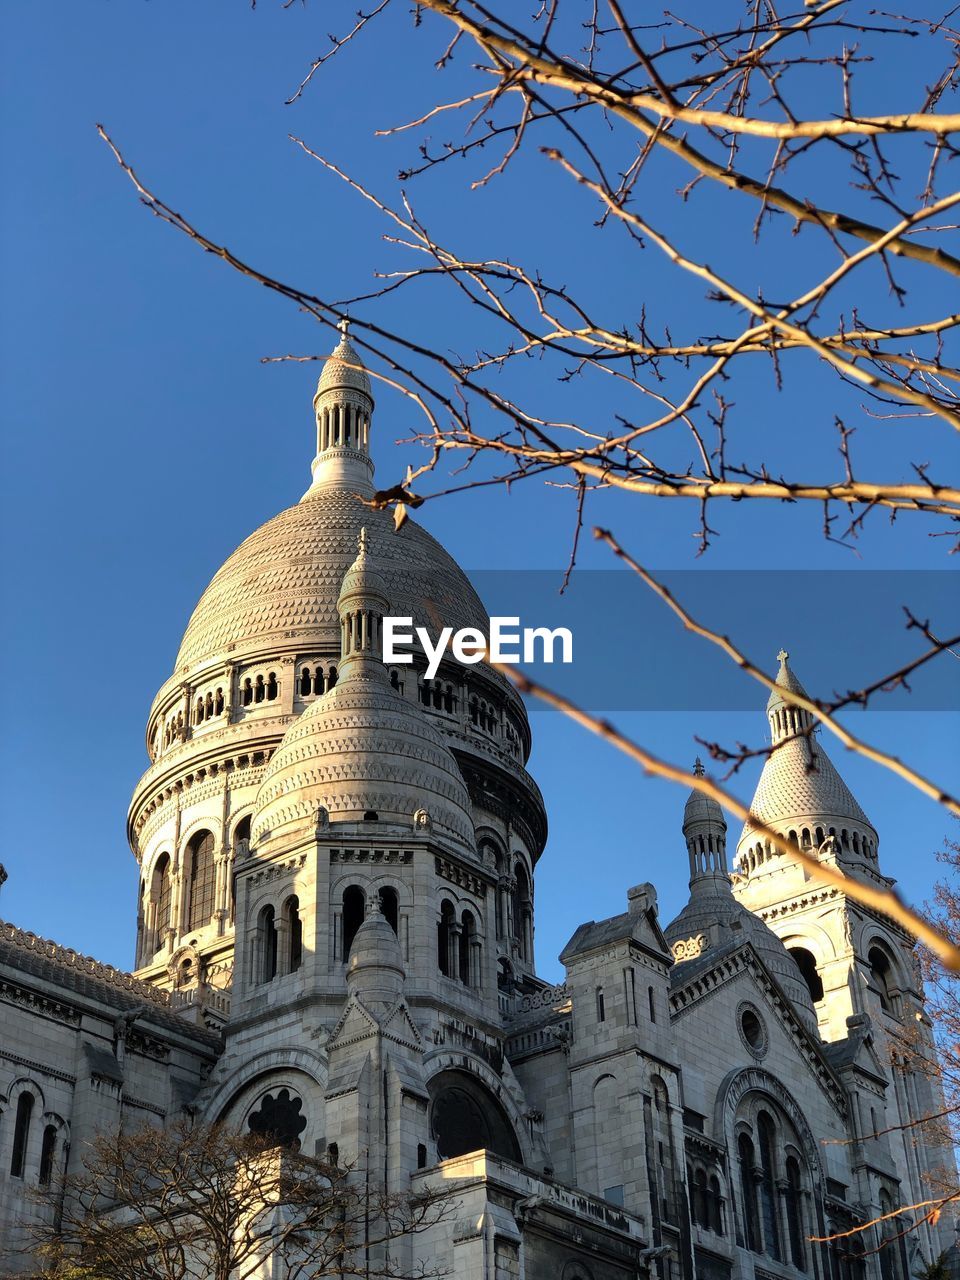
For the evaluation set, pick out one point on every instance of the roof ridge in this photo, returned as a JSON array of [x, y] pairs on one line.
[[87, 964]]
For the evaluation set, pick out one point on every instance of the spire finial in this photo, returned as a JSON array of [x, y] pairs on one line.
[[362, 542], [782, 656], [344, 326], [698, 768]]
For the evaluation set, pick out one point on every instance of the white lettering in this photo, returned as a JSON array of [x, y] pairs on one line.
[[532, 634], [499, 637], [434, 654], [469, 646], [392, 635]]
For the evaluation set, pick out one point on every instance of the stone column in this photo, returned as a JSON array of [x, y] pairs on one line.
[[186, 695], [230, 691], [454, 930]]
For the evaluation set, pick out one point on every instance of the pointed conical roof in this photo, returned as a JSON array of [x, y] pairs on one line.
[[799, 780], [786, 679], [375, 965]]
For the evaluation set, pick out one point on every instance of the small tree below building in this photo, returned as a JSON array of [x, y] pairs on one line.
[[201, 1203]]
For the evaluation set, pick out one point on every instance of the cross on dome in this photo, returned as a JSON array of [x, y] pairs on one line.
[[698, 768], [782, 656], [344, 326], [362, 541]]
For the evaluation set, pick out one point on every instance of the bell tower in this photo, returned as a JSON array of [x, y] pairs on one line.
[[860, 965]]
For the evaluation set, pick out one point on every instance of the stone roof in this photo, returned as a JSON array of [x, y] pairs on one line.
[[81, 975], [339, 370], [786, 679], [362, 747], [600, 933], [283, 581], [799, 780], [716, 922]]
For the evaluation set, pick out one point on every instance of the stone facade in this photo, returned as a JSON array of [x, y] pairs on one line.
[[336, 915]]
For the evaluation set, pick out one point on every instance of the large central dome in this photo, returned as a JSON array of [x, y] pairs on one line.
[[281, 583], [262, 649]]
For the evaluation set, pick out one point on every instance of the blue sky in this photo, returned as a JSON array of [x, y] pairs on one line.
[[144, 439]]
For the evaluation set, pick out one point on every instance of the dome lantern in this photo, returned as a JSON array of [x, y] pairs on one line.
[[786, 718], [362, 604], [344, 408], [705, 831]]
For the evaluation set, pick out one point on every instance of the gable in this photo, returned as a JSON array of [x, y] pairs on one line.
[[733, 976]]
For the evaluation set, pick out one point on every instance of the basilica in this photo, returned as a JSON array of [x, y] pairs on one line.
[[335, 944]]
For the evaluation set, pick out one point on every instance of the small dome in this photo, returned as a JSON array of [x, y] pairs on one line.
[[700, 808], [375, 969], [339, 370], [362, 578], [363, 749], [721, 920]]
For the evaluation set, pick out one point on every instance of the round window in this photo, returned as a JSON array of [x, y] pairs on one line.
[[753, 1032]]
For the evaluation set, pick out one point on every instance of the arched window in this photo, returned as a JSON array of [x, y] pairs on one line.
[[203, 879], [882, 972], [469, 950], [523, 912], [748, 1194], [267, 944], [715, 1206], [305, 683], [444, 935], [699, 1194], [294, 934], [663, 1138], [354, 909], [241, 838], [890, 1242], [218, 703], [258, 689], [390, 907], [794, 1205], [21, 1134], [768, 1187], [162, 895], [807, 965], [273, 688], [48, 1150], [246, 694]]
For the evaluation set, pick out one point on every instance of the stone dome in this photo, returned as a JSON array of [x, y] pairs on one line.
[[359, 750], [375, 969], [281, 584], [702, 809], [723, 921], [339, 371]]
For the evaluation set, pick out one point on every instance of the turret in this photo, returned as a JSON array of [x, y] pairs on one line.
[[705, 831], [344, 408], [362, 604]]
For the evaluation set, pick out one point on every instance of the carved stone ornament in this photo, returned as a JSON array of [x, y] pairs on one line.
[[689, 948], [421, 820]]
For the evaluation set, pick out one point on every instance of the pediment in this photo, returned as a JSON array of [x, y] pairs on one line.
[[742, 966]]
